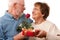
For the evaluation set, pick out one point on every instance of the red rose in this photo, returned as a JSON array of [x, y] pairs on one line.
[[27, 15]]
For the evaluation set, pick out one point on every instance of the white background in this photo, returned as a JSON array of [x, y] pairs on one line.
[[54, 9]]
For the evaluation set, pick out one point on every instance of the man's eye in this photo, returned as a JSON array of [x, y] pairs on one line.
[[36, 9]]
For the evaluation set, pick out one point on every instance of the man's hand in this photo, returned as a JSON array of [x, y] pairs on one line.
[[41, 34], [19, 36]]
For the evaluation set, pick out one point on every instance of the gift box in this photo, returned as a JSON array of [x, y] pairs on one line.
[[30, 33]]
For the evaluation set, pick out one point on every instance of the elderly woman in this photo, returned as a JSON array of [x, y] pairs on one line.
[[48, 30]]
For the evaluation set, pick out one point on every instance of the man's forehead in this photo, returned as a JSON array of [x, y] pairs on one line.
[[16, 1], [21, 2]]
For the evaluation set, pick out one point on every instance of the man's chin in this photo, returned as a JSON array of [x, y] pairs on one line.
[[21, 14]]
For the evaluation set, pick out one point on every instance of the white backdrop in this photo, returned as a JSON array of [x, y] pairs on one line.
[[54, 9]]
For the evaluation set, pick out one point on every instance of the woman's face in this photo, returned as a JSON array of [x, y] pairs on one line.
[[36, 13]]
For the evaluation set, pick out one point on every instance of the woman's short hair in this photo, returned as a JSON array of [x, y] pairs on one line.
[[44, 8]]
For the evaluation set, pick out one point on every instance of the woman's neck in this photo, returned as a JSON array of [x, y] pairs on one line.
[[40, 20]]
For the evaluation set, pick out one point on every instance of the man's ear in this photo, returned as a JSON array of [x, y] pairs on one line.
[[14, 5]]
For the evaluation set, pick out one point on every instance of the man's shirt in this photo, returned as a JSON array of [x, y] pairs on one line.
[[8, 26]]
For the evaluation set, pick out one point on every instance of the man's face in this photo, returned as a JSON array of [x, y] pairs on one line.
[[19, 8], [36, 13]]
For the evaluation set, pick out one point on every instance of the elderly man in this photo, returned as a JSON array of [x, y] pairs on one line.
[[10, 21]]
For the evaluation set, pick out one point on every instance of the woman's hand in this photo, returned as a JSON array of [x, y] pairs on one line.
[[41, 34]]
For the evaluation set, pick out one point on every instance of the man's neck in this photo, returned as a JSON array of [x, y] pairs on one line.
[[13, 14]]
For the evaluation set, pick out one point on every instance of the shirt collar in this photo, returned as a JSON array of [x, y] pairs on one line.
[[11, 16]]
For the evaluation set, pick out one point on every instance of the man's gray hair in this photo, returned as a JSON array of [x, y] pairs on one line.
[[11, 2]]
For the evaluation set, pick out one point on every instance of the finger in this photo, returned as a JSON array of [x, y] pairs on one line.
[[39, 33]]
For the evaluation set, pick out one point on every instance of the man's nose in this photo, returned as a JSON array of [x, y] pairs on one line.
[[24, 8]]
